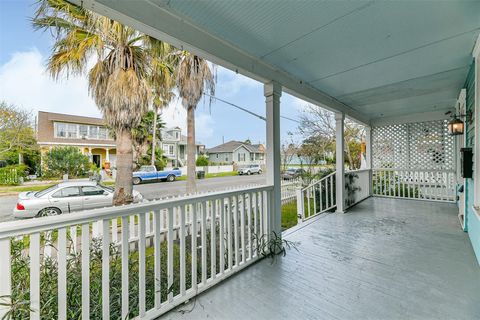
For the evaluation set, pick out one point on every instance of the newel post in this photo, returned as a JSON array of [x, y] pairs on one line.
[[300, 204], [272, 92], [340, 162]]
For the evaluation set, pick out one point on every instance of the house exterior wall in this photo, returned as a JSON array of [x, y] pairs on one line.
[[241, 155], [472, 218], [222, 157]]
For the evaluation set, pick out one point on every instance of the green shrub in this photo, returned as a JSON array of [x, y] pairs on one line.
[[12, 175], [202, 161], [66, 160]]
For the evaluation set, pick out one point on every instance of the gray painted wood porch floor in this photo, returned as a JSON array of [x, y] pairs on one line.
[[384, 259]]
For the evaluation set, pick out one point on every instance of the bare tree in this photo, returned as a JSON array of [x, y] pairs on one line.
[[318, 124], [289, 149]]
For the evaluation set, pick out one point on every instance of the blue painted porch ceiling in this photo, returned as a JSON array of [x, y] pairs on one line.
[[376, 57]]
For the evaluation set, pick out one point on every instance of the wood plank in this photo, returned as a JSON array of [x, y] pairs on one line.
[[125, 256], [142, 230], [85, 271]]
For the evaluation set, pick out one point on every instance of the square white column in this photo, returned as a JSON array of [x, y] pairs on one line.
[[368, 156], [272, 92], [340, 162]]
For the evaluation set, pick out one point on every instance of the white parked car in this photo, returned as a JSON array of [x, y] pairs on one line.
[[250, 169], [65, 197]]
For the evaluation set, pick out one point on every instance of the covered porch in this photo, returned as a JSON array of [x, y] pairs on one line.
[[394, 67], [384, 259]]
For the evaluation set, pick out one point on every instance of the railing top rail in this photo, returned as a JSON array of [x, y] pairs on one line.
[[357, 170], [318, 181], [18, 228], [410, 169]]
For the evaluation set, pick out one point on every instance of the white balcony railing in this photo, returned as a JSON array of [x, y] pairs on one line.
[[168, 251], [357, 186], [316, 198], [432, 185]]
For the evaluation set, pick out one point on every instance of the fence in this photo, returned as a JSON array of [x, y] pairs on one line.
[[316, 198], [9, 175], [289, 189], [432, 185], [197, 241]]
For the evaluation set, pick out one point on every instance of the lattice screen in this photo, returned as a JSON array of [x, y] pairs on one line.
[[421, 145]]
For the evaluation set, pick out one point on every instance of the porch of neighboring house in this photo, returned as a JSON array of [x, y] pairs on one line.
[[384, 259]]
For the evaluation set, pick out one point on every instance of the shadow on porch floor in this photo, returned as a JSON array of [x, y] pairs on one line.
[[384, 259]]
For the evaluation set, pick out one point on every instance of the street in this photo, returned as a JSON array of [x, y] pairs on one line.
[[158, 190]]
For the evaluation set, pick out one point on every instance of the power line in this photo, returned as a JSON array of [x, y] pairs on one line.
[[246, 110]]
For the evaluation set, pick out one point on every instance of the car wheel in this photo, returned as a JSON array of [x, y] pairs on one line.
[[259, 171], [249, 173], [136, 180], [171, 178], [49, 212]]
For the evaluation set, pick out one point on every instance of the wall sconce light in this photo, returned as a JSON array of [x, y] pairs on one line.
[[456, 126]]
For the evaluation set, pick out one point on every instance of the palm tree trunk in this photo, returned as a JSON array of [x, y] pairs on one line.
[[123, 180], [154, 138], [191, 184]]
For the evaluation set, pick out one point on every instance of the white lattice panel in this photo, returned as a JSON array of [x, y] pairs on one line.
[[421, 145]]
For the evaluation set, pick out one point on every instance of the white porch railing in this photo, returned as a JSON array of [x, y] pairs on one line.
[[319, 196], [185, 245], [316, 198], [432, 185], [289, 189]]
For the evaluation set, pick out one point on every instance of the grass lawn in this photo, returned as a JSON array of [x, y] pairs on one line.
[[289, 215]]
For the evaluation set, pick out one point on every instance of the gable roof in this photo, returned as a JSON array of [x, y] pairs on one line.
[[233, 145]]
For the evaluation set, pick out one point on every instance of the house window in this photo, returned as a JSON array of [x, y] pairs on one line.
[[252, 156], [102, 133], [60, 130], [83, 131], [216, 155], [226, 158], [170, 149], [93, 132], [177, 135], [71, 131]]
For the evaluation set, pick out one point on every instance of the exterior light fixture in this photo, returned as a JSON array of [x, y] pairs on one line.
[[456, 126]]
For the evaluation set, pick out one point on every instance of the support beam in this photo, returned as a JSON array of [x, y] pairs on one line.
[[272, 92], [107, 154], [340, 162]]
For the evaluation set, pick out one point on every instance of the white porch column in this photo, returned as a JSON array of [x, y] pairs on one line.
[[368, 155], [272, 92], [90, 154], [107, 155], [340, 162]]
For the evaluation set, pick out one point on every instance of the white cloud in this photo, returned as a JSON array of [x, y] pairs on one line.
[[204, 125], [231, 83], [25, 83]]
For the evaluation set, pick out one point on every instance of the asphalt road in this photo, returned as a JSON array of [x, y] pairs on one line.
[[158, 190]]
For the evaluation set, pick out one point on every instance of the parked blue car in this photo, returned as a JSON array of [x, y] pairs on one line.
[[150, 173]]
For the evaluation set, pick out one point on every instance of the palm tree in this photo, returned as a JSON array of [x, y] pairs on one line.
[[117, 81], [161, 80], [193, 76]]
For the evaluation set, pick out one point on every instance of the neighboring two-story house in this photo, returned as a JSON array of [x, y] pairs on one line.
[[237, 152], [174, 146], [89, 134]]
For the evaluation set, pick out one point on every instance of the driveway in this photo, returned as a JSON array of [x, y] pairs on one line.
[[158, 190]]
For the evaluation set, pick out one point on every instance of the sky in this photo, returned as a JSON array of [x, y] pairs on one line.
[[25, 83]]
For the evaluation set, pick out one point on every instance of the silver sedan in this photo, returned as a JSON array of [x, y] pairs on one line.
[[64, 198]]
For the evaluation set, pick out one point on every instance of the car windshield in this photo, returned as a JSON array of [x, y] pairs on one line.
[[147, 168], [43, 192], [291, 170]]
